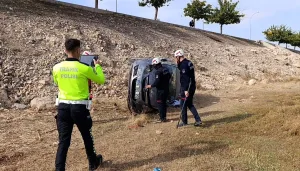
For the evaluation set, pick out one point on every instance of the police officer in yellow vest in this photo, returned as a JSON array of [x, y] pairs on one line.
[[72, 77]]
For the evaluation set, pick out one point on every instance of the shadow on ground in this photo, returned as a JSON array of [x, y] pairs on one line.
[[205, 100], [226, 120], [210, 113], [110, 120], [179, 152]]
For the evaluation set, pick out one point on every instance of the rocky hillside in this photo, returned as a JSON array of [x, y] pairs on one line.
[[33, 34]]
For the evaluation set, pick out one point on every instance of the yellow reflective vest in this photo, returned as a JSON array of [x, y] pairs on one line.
[[71, 76]]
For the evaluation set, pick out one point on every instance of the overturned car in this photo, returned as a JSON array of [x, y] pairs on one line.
[[141, 74]]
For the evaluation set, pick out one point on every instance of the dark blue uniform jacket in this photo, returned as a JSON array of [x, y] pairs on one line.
[[187, 75]]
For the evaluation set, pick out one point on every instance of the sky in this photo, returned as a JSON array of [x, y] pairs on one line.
[[260, 13]]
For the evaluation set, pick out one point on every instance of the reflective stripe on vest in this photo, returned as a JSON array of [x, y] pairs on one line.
[[83, 102]]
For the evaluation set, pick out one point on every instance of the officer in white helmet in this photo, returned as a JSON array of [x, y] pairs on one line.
[[161, 83], [188, 87]]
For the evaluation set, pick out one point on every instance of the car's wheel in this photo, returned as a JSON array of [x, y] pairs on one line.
[[132, 107]]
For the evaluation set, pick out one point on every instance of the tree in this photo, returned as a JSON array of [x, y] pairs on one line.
[[286, 34], [198, 10], [155, 3], [225, 14], [294, 40], [280, 34], [96, 4], [272, 34]]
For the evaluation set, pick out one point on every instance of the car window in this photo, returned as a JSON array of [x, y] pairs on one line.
[[147, 70]]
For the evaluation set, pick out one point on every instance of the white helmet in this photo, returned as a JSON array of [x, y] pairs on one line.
[[156, 61], [179, 53], [87, 53]]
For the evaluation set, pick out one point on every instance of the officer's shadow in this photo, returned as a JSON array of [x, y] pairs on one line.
[[180, 152], [205, 100]]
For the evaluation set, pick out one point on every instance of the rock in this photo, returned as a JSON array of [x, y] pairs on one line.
[[254, 51], [112, 92], [4, 100], [265, 81], [202, 68], [132, 47], [296, 64], [237, 88], [158, 132], [208, 87], [19, 106], [43, 82], [43, 103], [47, 72], [229, 79], [251, 82], [3, 95]]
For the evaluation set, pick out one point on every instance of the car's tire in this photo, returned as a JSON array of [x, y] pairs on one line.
[[133, 108]]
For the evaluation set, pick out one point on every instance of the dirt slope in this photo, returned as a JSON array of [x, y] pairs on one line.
[[33, 32]]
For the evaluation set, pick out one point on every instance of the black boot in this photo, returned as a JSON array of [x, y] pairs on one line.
[[94, 165]]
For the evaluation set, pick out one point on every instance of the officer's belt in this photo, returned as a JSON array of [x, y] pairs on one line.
[[83, 102]]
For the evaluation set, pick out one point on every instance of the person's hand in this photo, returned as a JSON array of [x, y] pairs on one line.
[[148, 86], [186, 94], [97, 62]]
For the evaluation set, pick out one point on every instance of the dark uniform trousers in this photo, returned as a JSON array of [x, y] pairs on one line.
[[162, 103], [189, 104], [162, 78], [68, 115]]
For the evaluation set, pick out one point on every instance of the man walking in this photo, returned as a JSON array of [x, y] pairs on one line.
[[72, 78], [162, 81], [188, 87]]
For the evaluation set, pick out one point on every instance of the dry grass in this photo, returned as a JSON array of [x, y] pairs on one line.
[[258, 133], [140, 120]]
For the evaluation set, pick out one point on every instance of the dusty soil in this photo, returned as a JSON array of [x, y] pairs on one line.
[[245, 128], [33, 32]]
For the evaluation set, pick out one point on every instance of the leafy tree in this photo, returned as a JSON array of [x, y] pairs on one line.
[[272, 34], [198, 10], [226, 14], [280, 34], [294, 40], [155, 3]]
